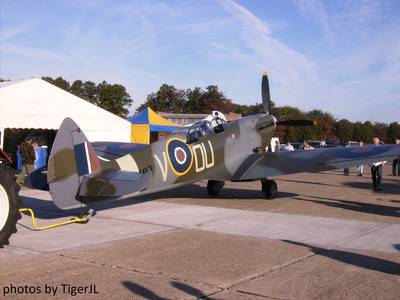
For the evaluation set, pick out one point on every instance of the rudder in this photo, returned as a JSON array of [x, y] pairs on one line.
[[72, 157]]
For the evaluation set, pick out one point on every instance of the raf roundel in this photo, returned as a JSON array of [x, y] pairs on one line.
[[179, 156]]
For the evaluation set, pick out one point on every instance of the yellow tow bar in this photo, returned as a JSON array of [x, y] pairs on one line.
[[39, 228]]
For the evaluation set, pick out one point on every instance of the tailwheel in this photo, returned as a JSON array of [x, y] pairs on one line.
[[269, 188], [214, 187]]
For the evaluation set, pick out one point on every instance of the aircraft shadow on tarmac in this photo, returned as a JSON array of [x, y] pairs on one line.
[[369, 208], [355, 259], [387, 187], [45, 209], [194, 191], [309, 182], [148, 294]]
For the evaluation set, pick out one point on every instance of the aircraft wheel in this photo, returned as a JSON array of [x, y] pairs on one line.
[[214, 187], [9, 207], [269, 188]]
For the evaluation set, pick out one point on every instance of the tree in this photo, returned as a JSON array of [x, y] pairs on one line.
[[173, 100], [166, 99], [292, 133], [344, 131], [358, 132], [380, 131], [114, 98], [59, 82], [77, 88], [89, 92], [214, 99], [246, 110], [195, 101], [368, 132], [325, 128], [253, 109], [393, 132]]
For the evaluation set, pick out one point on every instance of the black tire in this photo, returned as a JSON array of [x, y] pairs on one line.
[[269, 188], [9, 207], [214, 187]]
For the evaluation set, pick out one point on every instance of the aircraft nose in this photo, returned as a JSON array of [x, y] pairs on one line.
[[265, 121]]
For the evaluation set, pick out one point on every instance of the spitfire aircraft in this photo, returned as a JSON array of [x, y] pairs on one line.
[[81, 173]]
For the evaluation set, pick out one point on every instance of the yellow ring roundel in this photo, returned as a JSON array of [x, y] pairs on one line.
[[180, 156]]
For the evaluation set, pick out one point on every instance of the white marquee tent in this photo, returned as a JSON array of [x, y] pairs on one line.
[[37, 104]]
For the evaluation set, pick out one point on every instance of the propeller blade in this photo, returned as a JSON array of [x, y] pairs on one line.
[[297, 123], [266, 97]]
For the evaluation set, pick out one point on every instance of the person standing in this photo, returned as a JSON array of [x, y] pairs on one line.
[[346, 171], [396, 162], [288, 147], [277, 147], [28, 158], [360, 169], [376, 169], [307, 146]]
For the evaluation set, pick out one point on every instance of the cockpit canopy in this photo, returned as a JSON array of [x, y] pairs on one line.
[[201, 128]]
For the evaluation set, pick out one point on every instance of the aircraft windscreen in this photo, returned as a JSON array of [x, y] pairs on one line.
[[182, 130], [203, 127], [206, 127]]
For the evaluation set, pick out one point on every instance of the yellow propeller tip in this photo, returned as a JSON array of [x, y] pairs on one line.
[[265, 74]]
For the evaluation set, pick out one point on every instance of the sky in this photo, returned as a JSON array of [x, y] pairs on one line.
[[339, 56]]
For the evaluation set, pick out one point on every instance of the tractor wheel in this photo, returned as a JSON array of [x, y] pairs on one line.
[[9, 207]]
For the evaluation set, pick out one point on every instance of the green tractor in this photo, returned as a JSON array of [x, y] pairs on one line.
[[9, 202]]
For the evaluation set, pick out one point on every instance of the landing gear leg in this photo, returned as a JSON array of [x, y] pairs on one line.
[[269, 188], [214, 187]]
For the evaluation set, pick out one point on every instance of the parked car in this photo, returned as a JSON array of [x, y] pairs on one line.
[[332, 143], [296, 146]]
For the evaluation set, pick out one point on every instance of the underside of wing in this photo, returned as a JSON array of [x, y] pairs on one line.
[[259, 166], [112, 184]]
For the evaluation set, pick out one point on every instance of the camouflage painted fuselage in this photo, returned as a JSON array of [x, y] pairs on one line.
[[171, 162], [78, 176]]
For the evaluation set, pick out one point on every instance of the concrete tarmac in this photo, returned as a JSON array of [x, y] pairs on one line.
[[326, 236]]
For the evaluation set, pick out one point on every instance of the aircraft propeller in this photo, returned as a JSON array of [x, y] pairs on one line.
[[265, 95], [266, 103]]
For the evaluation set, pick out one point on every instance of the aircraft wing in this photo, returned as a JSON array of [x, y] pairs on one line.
[[259, 166]]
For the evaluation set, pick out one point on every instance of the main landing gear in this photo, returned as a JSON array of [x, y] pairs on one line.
[[214, 187], [269, 188]]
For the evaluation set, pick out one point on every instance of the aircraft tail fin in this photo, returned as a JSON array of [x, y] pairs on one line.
[[72, 158]]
